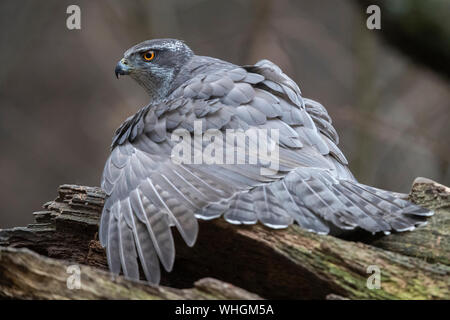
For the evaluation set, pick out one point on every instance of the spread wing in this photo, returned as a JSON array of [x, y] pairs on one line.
[[148, 192]]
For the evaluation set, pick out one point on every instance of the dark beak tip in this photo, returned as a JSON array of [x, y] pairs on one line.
[[121, 69], [118, 71]]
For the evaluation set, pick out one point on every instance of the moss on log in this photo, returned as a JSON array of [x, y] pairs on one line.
[[431, 242]]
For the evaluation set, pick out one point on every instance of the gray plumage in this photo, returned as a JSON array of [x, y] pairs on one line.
[[148, 193]]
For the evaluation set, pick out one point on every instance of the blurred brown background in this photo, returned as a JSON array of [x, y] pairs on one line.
[[60, 102]]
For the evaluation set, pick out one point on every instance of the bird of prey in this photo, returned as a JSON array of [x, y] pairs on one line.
[[148, 192]]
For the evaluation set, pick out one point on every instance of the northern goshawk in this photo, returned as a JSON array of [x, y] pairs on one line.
[[148, 192]]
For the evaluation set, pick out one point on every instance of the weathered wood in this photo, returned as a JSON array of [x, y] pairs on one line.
[[431, 242], [290, 263], [27, 275]]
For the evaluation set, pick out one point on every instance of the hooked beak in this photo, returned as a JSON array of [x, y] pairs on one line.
[[122, 68]]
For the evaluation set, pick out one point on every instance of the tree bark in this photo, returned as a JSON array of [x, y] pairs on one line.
[[28, 275], [289, 263]]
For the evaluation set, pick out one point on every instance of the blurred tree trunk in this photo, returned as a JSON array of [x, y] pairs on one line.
[[421, 29]]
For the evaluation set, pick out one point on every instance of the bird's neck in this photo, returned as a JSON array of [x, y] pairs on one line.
[[156, 86]]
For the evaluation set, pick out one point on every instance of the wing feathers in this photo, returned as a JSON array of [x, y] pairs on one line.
[[269, 211], [127, 249], [112, 248], [182, 217], [157, 224], [147, 193], [241, 210]]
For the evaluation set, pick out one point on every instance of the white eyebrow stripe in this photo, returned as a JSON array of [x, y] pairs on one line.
[[172, 46]]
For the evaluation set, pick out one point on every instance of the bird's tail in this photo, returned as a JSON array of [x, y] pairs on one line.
[[321, 203]]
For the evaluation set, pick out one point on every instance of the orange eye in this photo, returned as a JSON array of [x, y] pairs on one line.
[[149, 55]]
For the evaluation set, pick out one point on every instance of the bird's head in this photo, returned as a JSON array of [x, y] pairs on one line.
[[154, 64]]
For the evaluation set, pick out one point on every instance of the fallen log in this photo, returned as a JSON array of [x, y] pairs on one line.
[[290, 263], [431, 242], [38, 277]]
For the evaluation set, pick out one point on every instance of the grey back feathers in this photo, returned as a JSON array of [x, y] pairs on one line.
[[148, 193]]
